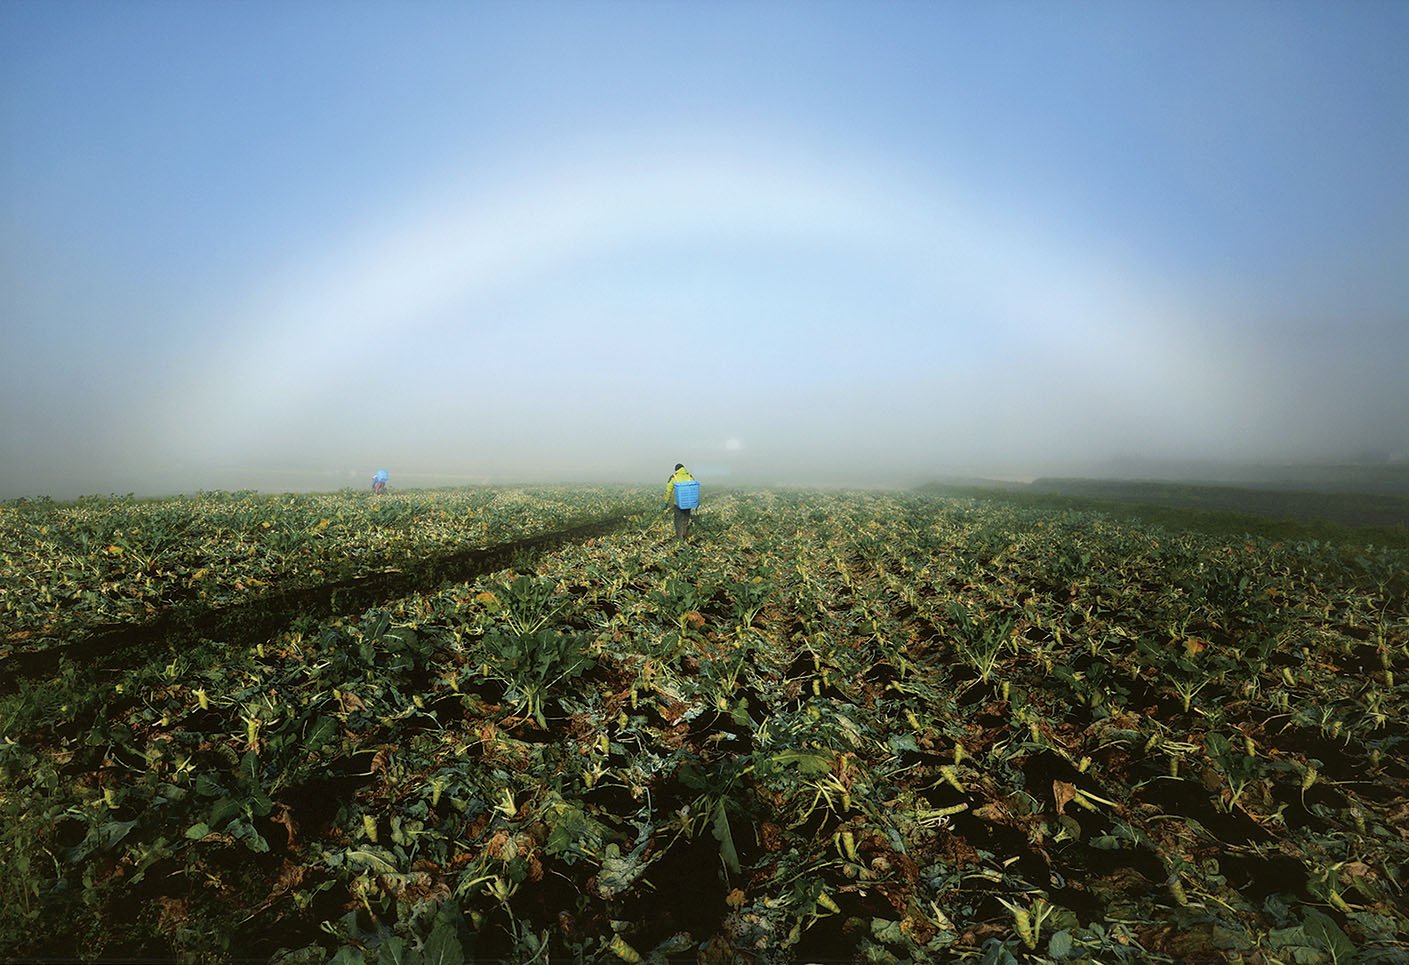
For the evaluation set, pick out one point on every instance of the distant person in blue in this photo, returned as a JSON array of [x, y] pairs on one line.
[[682, 494], [379, 481]]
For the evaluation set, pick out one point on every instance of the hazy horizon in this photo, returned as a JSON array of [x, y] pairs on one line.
[[781, 243], [1381, 476]]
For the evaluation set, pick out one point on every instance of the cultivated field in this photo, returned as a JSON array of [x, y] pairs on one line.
[[530, 725]]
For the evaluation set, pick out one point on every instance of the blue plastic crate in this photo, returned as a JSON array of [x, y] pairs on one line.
[[687, 494]]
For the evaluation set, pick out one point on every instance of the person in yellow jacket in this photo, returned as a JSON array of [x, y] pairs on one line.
[[683, 502]]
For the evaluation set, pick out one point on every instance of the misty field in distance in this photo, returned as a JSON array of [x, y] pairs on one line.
[[833, 726]]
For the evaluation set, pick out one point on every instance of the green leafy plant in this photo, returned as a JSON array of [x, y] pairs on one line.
[[531, 665]]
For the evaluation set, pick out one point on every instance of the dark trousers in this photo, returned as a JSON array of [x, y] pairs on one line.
[[682, 521]]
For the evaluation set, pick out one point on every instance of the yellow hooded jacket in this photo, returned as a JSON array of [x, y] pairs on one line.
[[681, 475]]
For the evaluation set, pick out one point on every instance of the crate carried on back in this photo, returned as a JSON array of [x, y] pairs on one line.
[[687, 494]]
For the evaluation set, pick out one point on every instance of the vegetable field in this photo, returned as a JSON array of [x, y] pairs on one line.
[[530, 725]]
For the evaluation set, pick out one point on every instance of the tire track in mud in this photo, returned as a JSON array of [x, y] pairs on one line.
[[275, 610]]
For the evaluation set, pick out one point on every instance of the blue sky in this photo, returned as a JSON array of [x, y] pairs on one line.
[[287, 243]]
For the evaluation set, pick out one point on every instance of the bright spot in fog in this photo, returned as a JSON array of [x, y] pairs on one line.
[[733, 445]]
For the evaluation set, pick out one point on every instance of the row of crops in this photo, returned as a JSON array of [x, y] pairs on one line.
[[832, 727], [68, 569]]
